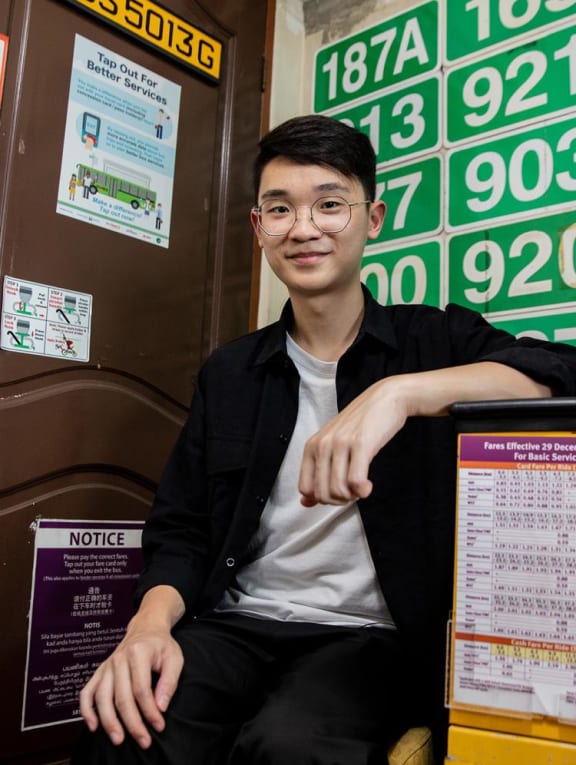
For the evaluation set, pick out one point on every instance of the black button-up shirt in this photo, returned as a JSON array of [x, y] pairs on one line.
[[243, 412]]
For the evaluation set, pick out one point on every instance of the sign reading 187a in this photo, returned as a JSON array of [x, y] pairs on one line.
[[402, 47]]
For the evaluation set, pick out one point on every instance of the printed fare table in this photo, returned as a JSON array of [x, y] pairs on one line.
[[515, 620]]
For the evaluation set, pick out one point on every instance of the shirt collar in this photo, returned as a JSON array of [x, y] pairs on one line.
[[376, 323]]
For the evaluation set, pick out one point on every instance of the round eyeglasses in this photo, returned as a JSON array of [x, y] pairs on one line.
[[276, 217]]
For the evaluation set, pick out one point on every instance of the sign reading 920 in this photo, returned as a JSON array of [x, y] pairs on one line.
[[534, 80], [523, 265], [472, 25], [160, 28], [402, 47]]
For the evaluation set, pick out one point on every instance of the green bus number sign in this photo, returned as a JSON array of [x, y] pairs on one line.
[[413, 199], [534, 81], [408, 275], [557, 326], [473, 25], [528, 264], [402, 47], [402, 123], [522, 172]]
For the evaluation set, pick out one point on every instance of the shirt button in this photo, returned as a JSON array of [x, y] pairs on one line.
[[260, 500], [284, 438], [230, 562]]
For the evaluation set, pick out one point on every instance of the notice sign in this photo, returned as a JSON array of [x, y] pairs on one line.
[[119, 151], [82, 590], [514, 642]]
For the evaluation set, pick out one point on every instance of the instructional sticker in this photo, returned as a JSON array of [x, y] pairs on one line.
[[45, 320]]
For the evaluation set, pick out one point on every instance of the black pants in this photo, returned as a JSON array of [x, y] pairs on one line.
[[255, 692]]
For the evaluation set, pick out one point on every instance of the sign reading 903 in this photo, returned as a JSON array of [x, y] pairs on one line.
[[517, 174], [402, 47], [472, 25]]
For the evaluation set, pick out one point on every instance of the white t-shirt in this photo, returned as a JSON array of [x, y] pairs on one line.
[[309, 564]]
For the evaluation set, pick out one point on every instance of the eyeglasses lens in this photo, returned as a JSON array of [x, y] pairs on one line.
[[329, 214]]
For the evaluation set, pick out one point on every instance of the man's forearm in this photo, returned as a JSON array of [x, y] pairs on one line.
[[162, 606], [432, 393]]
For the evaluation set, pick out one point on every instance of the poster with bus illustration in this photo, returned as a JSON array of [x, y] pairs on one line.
[[119, 152]]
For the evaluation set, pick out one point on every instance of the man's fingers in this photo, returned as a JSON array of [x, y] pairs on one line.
[[326, 476], [87, 709], [129, 697], [306, 481], [168, 680], [103, 701]]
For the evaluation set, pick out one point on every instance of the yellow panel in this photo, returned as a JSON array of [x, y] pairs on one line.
[[159, 27], [536, 727], [468, 746]]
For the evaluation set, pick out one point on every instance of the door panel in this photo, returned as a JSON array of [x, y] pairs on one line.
[[88, 441]]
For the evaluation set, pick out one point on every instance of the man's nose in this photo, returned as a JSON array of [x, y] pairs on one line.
[[304, 224]]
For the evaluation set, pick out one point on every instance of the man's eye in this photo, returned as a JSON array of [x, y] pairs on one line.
[[330, 205], [276, 208]]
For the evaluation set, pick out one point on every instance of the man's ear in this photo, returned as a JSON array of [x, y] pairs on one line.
[[377, 215], [256, 227]]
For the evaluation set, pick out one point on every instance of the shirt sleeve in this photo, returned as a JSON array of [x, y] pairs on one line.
[[176, 534]]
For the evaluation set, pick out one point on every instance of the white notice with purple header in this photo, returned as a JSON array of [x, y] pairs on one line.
[[82, 599]]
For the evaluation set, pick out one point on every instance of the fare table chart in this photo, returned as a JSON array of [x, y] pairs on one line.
[[514, 631]]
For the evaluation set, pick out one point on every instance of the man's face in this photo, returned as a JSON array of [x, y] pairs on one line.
[[306, 259]]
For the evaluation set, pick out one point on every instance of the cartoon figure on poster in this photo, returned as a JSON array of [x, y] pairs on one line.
[[90, 134], [163, 125]]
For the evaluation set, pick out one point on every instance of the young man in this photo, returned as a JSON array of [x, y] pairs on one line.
[[298, 556]]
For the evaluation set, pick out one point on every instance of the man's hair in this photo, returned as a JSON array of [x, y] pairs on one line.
[[318, 140]]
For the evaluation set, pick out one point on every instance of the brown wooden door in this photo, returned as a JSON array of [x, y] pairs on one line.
[[88, 440]]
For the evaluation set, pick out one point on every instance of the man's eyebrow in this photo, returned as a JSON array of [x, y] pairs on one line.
[[329, 186], [273, 193], [333, 186]]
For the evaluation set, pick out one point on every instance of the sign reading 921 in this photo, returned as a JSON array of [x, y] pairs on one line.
[[402, 47], [532, 81]]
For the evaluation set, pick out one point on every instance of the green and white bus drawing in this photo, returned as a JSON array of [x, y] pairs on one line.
[[121, 183]]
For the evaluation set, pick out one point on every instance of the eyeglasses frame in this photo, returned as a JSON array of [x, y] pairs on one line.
[[257, 210]]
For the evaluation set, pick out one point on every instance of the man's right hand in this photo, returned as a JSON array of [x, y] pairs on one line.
[[119, 695]]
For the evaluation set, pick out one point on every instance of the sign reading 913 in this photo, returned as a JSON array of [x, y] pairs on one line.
[[400, 123], [532, 81]]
